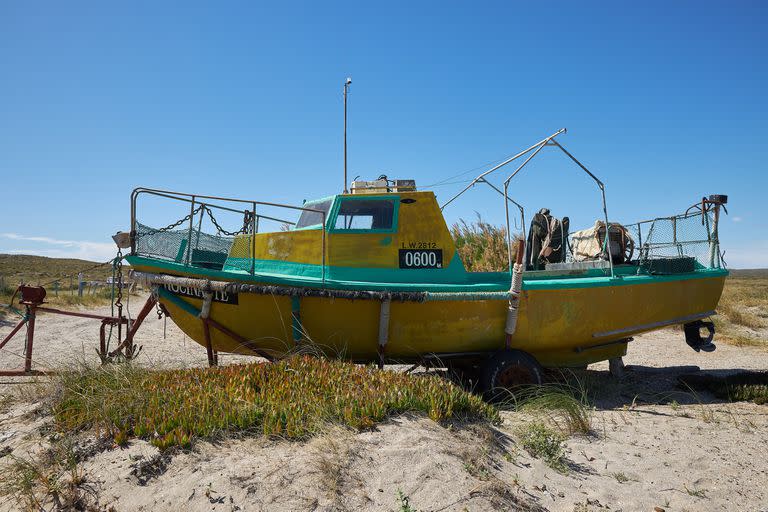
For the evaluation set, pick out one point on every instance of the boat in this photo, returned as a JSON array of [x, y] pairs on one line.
[[373, 275]]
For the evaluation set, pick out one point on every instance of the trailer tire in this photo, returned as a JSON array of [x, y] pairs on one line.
[[506, 370]]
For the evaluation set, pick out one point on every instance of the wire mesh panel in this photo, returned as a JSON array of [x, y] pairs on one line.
[[666, 245], [183, 246], [681, 243]]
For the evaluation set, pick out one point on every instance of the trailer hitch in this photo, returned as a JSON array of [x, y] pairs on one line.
[[694, 339]]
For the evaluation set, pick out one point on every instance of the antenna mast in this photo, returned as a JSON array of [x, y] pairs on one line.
[[347, 82]]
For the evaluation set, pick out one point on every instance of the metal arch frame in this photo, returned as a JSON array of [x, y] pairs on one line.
[[535, 149], [193, 199]]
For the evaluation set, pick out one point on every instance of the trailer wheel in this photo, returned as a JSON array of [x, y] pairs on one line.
[[506, 370]]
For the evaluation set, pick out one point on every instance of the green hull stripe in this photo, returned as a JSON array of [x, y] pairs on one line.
[[453, 274], [296, 318], [348, 278]]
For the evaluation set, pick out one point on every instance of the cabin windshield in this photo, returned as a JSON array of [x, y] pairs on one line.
[[365, 214], [311, 218]]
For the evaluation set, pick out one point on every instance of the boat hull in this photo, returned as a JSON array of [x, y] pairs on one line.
[[561, 322]]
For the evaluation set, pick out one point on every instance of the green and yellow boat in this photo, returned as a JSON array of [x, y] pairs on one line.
[[373, 275]]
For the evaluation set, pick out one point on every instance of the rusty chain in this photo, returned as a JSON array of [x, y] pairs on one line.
[[118, 262], [219, 229], [248, 216], [178, 223]]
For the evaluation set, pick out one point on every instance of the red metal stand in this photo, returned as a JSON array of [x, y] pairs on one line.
[[32, 298], [29, 320]]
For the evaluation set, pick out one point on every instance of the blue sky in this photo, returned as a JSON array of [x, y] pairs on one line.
[[664, 101]]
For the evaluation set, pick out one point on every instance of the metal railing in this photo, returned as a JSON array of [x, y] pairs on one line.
[[532, 151], [198, 204]]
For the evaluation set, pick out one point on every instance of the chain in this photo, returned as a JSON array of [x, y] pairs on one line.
[[176, 224], [119, 271], [220, 230]]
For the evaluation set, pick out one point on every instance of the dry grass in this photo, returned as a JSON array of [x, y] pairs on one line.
[[50, 481], [332, 455], [35, 270], [38, 270], [743, 308], [482, 246], [295, 398]]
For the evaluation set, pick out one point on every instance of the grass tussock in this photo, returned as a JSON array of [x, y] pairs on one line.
[[482, 246], [294, 398], [565, 406]]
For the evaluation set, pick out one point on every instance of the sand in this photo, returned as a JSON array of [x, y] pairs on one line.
[[653, 444]]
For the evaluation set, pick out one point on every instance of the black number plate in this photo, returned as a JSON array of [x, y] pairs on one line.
[[421, 258]]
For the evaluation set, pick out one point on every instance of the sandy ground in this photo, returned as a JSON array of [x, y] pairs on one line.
[[653, 445]]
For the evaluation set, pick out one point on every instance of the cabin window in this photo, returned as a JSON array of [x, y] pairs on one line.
[[308, 219], [365, 214]]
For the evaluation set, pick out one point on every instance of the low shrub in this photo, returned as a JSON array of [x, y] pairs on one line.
[[544, 443], [293, 398]]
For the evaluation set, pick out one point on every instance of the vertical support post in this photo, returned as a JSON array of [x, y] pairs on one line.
[[30, 338], [710, 242], [199, 227], [205, 313], [346, 90], [133, 223], [323, 242], [515, 289], [509, 233], [607, 229], [714, 250], [383, 329], [253, 239], [674, 230], [212, 356], [103, 341], [189, 236]]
